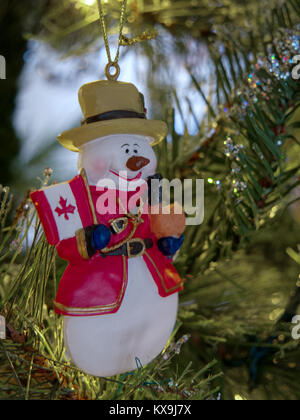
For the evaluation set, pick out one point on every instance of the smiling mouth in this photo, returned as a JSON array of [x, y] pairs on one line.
[[136, 163], [119, 174]]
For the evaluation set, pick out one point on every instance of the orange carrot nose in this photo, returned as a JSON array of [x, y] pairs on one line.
[[136, 163]]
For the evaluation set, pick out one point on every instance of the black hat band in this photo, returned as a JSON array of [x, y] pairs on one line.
[[113, 115]]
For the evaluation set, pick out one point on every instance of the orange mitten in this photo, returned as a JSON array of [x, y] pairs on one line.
[[170, 224]]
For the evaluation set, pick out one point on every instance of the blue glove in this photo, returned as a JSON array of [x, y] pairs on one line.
[[170, 245], [101, 237]]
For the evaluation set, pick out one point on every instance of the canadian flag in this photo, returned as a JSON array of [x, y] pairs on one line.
[[63, 209]]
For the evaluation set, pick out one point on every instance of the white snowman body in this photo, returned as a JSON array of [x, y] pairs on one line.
[[111, 344]]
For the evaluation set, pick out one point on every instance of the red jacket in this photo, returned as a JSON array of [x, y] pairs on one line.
[[97, 285]]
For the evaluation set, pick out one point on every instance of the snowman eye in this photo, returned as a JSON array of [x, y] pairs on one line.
[[127, 151], [135, 151]]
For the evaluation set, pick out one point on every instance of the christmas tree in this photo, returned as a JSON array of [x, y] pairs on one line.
[[235, 337]]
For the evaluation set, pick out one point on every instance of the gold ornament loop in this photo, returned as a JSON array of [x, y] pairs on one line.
[[116, 74], [111, 62]]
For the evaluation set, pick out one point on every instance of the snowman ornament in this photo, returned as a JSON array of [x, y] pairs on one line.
[[119, 293]]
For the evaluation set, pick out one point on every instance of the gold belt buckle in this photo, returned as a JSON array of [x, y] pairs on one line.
[[134, 241]]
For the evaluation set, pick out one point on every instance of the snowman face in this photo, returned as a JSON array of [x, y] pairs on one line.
[[122, 153]]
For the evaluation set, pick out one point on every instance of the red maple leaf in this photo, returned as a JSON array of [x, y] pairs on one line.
[[64, 209]]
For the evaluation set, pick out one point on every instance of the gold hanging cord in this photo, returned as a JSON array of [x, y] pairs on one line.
[[112, 64]]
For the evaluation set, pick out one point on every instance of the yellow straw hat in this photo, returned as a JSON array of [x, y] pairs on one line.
[[111, 107]]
